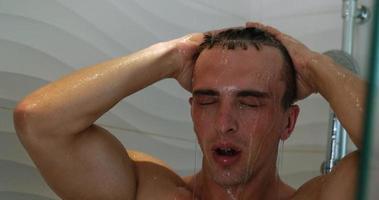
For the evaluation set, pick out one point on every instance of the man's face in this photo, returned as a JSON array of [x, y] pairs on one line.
[[237, 111]]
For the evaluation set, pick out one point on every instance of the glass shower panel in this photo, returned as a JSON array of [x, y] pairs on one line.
[[369, 171]]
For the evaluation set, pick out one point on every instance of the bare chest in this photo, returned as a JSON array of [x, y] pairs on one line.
[[174, 193]]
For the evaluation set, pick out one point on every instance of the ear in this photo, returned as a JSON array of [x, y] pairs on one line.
[[293, 113]]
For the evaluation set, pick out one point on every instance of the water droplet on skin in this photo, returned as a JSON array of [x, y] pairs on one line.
[[341, 75], [227, 173], [315, 61], [357, 102], [225, 61], [230, 193], [33, 105]]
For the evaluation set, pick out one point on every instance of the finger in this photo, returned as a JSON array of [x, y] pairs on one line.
[[193, 37], [284, 38], [196, 37], [266, 28], [215, 32], [254, 25], [273, 31], [288, 38]]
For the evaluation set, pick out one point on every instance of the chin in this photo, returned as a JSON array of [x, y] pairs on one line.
[[229, 177]]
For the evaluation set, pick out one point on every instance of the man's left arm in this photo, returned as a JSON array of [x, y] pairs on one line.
[[344, 91]]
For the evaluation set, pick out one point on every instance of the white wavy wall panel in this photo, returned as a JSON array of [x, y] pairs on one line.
[[41, 40]]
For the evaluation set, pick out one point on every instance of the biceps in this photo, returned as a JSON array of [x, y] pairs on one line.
[[91, 165], [342, 181]]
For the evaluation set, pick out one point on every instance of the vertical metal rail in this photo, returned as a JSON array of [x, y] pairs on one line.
[[349, 9]]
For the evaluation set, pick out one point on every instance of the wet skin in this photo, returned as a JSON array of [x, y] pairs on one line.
[[237, 103], [80, 160]]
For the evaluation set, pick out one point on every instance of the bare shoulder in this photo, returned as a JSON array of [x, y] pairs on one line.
[[156, 180], [338, 184]]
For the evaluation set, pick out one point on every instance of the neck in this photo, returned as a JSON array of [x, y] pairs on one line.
[[265, 184]]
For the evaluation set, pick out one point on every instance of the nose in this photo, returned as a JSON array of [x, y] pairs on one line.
[[226, 122]]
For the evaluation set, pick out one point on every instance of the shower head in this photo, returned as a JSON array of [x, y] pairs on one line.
[[344, 59]]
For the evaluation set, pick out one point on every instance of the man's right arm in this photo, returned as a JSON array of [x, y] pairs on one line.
[[78, 159]]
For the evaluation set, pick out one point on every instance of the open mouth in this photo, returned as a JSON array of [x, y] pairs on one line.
[[226, 155], [227, 151]]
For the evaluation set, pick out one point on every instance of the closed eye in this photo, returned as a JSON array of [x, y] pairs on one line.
[[205, 100], [251, 102], [249, 105]]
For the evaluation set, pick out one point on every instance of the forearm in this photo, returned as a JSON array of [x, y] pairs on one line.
[[73, 103], [344, 91]]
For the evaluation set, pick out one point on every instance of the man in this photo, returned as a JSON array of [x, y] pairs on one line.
[[243, 88]]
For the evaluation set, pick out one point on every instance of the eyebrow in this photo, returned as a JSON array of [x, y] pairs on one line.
[[242, 93], [253, 93], [206, 92]]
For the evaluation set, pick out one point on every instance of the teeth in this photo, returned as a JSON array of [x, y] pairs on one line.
[[226, 151]]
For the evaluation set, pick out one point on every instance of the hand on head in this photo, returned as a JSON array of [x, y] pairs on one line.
[[301, 57], [185, 47]]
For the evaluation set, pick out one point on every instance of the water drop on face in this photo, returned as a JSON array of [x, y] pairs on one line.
[[225, 61], [227, 173]]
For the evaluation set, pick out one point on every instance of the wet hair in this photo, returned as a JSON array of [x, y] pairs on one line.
[[242, 38]]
